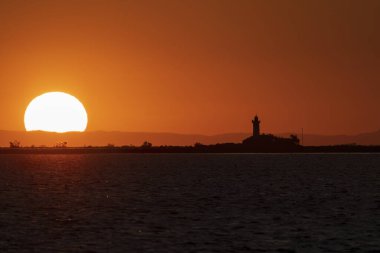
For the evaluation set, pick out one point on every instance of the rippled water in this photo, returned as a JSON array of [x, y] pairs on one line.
[[190, 203]]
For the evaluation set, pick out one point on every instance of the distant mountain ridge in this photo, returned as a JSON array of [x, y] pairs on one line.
[[103, 138], [371, 138]]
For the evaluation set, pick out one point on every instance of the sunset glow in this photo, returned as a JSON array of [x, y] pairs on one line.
[[196, 67], [55, 112]]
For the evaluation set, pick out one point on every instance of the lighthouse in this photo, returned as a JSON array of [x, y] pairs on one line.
[[256, 126]]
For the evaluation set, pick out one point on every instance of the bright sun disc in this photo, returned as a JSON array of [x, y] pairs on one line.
[[55, 112]]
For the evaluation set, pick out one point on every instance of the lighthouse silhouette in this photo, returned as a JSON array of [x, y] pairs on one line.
[[256, 126]]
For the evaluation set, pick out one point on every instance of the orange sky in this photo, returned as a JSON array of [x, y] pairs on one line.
[[196, 66]]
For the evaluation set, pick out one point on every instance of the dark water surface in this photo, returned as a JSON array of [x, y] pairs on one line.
[[190, 203]]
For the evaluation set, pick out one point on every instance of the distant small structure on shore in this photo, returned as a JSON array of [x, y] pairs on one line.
[[61, 144], [146, 144], [14, 144], [269, 141], [256, 127]]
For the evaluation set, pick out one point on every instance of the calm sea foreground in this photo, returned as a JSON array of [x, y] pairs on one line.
[[190, 203]]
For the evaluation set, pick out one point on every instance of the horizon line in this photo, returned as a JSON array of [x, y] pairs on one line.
[[189, 134]]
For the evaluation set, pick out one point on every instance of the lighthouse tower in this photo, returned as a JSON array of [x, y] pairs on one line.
[[256, 126]]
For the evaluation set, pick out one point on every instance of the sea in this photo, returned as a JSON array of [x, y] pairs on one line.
[[190, 203]]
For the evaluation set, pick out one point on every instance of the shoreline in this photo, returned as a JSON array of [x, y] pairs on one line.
[[192, 149]]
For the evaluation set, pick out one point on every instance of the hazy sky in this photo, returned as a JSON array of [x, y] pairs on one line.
[[196, 66]]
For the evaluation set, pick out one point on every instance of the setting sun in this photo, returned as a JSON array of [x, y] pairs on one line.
[[55, 112]]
